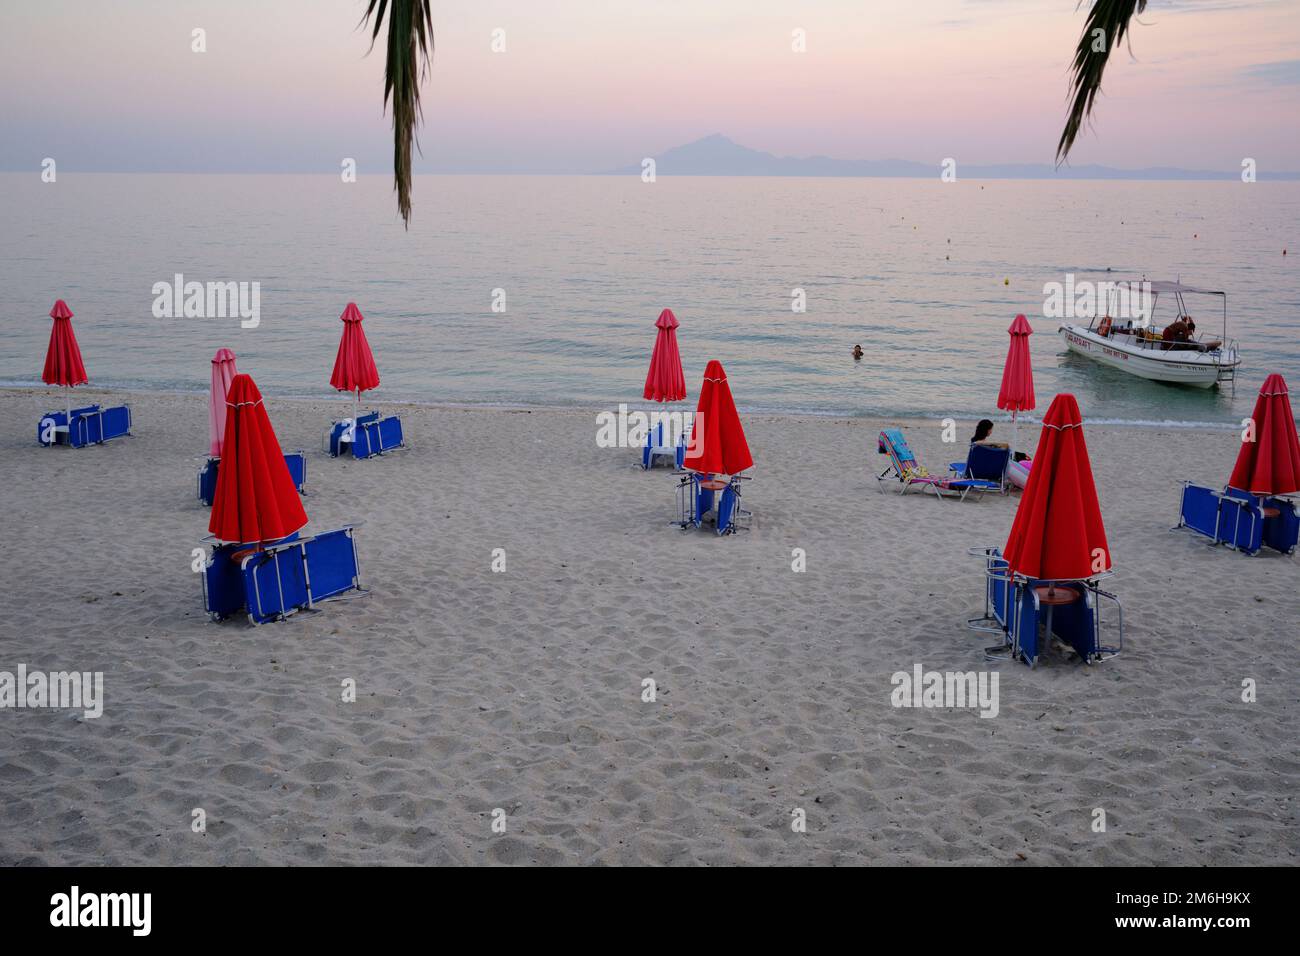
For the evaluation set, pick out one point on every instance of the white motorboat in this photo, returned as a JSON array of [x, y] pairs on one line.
[[1176, 354]]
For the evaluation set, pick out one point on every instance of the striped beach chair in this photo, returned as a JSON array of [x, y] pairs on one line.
[[904, 468]]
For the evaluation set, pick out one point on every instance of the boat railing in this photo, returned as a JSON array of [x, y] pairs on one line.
[[1203, 342]]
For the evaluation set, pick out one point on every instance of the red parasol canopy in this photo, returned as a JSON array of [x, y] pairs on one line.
[[665, 381], [354, 366], [63, 364], [720, 449], [1058, 533], [1270, 465], [223, 372], [1017, 392], [255, 500]]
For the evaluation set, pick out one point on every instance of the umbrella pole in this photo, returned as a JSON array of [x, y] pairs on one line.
[[1013, 434]]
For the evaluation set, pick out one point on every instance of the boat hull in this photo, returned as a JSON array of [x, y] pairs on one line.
[[1197, 369]]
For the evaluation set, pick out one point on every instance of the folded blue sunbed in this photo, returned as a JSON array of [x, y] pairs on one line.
[[1242, 521], [1016, 607], [281, 579], [697, 505], [729, 510], [656, 447], [91, 425], [369, 436], [297, 462]]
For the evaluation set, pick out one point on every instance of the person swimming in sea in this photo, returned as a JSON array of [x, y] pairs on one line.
[[857, 353]]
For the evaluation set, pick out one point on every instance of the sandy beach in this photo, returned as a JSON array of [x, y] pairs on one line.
[[522, 690]]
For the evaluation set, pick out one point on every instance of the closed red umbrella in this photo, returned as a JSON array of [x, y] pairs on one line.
[[718, 443], [223, 373], [1270, 465], [354, 365], [665, 381], [63, 365], [1058, 533], [255, 501], [1017, 391]]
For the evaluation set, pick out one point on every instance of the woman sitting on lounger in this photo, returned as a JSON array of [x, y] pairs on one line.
[[982, 432]]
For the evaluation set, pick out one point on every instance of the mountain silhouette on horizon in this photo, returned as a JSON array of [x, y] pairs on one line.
[[718, 155]]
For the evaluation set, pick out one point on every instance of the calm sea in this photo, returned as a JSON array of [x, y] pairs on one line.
[[925, 275]]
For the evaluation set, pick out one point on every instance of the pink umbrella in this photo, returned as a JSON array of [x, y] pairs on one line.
[[354, 366], [1017, 392], [223, 373], [665, 381]]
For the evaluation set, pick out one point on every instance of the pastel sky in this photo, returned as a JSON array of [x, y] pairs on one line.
[[587, 85]]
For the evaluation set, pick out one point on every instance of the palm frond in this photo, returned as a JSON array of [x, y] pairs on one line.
[[1112, 18], [410, 47]]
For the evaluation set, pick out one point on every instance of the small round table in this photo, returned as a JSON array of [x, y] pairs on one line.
[[712, 484], [1270, 512], [1052, 596]]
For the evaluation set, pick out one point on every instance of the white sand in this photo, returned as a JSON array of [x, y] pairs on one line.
[[522, 690]]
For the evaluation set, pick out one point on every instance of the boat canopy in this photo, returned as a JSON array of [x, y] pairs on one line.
[[1177, 288]]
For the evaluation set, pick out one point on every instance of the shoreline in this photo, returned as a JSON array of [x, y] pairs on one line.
[[996, 415]]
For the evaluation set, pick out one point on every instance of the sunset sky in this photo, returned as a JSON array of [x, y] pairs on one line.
[[285, 85]]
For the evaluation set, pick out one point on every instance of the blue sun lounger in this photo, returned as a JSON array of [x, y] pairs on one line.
[[91, 425], [292, 575], [1016, 607], [1242, 521], [371, 436], [297, 462], [985, 463], [656, 447]]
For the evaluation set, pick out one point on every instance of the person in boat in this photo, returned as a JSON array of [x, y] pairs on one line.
[[857, 353], [1174, 335], [1191, 326]]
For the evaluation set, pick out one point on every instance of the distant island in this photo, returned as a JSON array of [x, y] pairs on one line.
[[717, 155]]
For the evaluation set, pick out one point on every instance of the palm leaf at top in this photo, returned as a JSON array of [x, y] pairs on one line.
[[409, 48], [1112, 18]]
